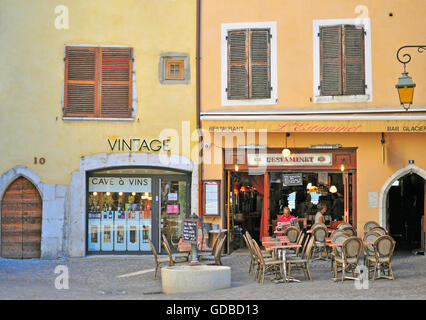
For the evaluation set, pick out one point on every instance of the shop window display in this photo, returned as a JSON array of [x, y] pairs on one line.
[[119, 221]]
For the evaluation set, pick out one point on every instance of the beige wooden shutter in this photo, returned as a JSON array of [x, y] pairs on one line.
[[238, 64], [353, 60], [260, 78], [330, 61], [115, 82], [80, 94]]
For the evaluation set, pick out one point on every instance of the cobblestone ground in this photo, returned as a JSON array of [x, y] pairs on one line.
[[99, 278]]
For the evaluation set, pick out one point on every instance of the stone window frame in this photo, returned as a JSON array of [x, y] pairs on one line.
[[164, 57]]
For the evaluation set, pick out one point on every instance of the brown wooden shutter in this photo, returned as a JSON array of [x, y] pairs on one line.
[[115, 84], [330, 61], [238, 64], [260, 84], [80, 94], [353, 60]]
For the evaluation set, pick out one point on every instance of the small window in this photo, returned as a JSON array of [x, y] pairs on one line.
[[174, 70]]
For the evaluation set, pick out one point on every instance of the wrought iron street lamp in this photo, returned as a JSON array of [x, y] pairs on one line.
[[405, 84]]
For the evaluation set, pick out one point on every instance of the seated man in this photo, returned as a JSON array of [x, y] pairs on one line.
[[285, 220]]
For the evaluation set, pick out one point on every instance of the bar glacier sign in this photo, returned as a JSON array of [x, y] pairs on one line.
[[301, 159]]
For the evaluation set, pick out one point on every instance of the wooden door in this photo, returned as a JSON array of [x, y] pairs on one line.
[[21, 214]]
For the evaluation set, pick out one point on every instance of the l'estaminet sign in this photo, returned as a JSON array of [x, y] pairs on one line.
[[301, 159]]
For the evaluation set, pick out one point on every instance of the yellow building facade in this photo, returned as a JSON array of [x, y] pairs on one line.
[[72, 158], [277, 74]]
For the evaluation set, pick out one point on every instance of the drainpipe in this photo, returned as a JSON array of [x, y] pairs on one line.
[[198, 102]]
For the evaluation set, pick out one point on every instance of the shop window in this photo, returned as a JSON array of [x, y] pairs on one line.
[[342, 61], [174, 68], [98, 82], [249, 63], [119, 214]]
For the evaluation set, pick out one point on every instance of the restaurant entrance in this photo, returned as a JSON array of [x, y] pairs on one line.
[[260, 185], [405, 210]]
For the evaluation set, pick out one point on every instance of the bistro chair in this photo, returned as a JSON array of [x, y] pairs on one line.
[[351, 252], [252, 254], [336, 233], [264, 266], [384, 247], [344, 225], [299, 250], [310, 220], [370, 225], [369, 251], [380, 230], [338, 238], [158, 260], [174, 257], [316, 225], [301, 262], [349, 230], [292, 233], [217, 255], [264, 252], [319, 234], [210, 252]]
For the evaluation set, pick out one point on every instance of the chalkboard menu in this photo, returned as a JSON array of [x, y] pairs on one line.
[[294, 179], [190, 229]]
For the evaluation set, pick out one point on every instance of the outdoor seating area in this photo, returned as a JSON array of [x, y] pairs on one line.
[[293, 249]]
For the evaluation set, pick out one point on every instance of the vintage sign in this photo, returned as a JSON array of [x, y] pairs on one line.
[[119, 184], [302, 159], [138, 145]]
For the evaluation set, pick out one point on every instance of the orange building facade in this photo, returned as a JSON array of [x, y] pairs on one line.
[[317, 79]]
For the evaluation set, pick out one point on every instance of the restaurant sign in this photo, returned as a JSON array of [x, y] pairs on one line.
[[301, 159]]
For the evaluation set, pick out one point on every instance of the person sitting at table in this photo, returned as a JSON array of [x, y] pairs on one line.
[[322, 208], [286, 217]]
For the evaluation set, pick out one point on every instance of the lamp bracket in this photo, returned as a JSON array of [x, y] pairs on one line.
[[406, 58]]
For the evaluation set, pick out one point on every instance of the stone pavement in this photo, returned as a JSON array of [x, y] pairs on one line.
[[131, 277]]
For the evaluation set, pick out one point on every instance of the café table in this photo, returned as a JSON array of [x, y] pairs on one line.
[[282, 248]]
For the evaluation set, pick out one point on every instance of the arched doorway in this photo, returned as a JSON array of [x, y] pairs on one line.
[[405, 207], [21, 216]]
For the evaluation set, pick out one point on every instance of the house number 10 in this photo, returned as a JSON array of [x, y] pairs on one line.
[[40, 161]]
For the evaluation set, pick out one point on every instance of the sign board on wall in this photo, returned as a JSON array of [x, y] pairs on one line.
[[301, 159], [211, 198], [295, 179], [119, 184]]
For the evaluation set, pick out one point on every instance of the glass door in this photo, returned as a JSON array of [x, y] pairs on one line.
[[174, 208]]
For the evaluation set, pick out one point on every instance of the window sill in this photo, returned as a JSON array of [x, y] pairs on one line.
[[342, 99], [97, 119], [250, 102]]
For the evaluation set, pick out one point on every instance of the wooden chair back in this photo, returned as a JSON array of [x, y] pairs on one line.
[[370, 236], [380, 230], [352, 248], [292, 234], [349, 230], [384, 246], [154, 252], [319, 233], [218, 252]]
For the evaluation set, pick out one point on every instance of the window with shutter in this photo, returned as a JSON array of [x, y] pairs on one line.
[[98, 82], [342, 60], [80, 94], [248, 64]]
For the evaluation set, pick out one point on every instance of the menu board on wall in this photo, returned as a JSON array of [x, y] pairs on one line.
[[295, 179], [211, 198]]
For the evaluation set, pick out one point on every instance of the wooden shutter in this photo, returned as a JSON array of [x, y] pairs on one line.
[[238, 64], [80, 94], [115, 84], [330, 61], [260, 84], [353, 60]]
